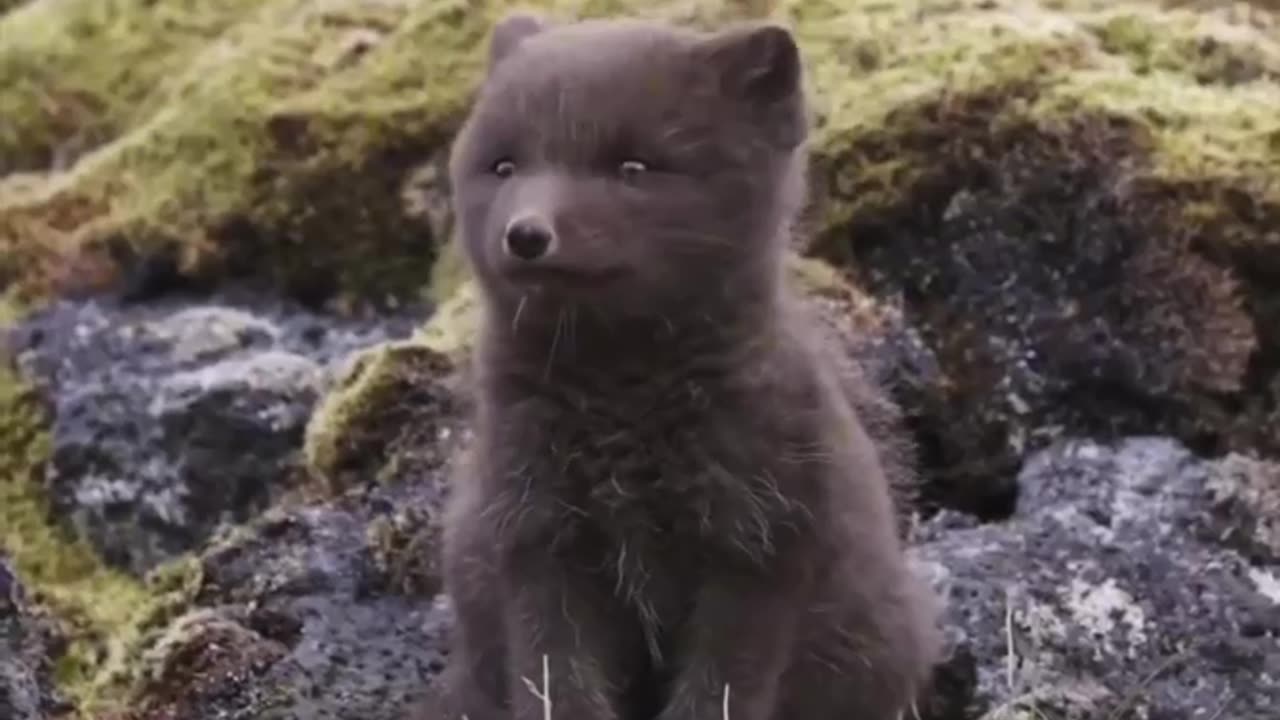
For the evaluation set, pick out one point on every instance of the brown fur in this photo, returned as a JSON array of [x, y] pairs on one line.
[[669, 490]]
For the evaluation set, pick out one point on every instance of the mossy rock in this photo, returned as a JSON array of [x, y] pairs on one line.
[[261, 139], [80, 74], [389, 408], [105, 616], [1077, 203], [896, 86], [452, 324]]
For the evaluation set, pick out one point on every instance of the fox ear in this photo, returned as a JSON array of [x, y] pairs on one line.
[[760, 64], [509, 32]]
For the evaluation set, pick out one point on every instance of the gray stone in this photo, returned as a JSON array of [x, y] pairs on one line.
[[1107, 591], [321, 612], [171, 419], [324, 610]]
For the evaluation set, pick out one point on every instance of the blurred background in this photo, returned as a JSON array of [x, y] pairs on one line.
[[232, 329]]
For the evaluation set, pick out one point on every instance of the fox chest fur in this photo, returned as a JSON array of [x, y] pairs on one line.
[[647, 489]]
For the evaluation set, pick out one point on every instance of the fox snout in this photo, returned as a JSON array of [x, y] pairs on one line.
[[529, 238]]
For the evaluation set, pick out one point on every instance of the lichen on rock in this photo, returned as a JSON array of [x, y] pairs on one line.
[[1107, 592], [307, 612], [171, 419]]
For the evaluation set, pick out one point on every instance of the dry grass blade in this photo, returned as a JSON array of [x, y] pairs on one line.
[[543, 695]]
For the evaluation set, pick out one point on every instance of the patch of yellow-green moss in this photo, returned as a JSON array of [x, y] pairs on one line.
[[384, 395], [815, 277], [275, 148], [1203, 46], [104, 613], [449, 274], [1220, 142], [79, 73]]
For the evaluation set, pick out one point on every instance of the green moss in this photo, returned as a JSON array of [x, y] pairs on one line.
[[1171, 117], [105, 614], [78, 73], [276, 150], [1217, 146], [385, 396], [894, 84], [1196, 45], [816, 277], [877, 68]]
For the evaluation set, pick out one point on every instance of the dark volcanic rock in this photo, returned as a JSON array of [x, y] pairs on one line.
[[1110, 588], [319, 612], [329, 609], [26, 669], [171, 418]]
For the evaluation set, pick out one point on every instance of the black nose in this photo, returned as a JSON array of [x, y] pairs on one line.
[[528, 239]]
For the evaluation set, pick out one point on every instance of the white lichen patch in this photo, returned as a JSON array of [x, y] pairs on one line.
[[1267, 583], [103, 491], [1043, 623], [1252, 487], [1109, 614]]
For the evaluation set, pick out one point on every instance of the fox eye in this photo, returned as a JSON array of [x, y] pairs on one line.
[[503, 168], [630, 169]]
